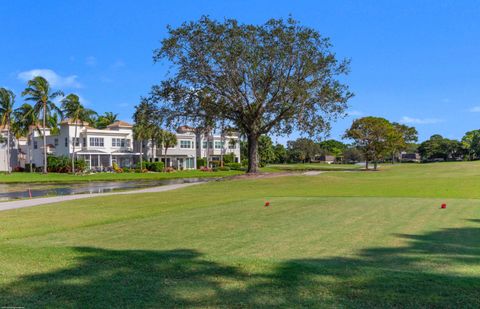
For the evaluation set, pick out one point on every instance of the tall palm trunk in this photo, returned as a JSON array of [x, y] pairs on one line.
[[73, 152], [9, 156], [165, 158], [44, 138], [141, 156], [30, 150]]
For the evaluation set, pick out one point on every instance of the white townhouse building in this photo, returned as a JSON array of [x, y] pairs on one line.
[[183, 156], [213, 146], [6, 163], [100, 148], [192, 145]]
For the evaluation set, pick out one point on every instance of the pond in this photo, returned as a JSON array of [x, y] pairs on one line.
[[15, 191]]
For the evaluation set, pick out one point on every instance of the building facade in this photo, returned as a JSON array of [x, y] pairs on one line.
[[100, 148], [191, 145]]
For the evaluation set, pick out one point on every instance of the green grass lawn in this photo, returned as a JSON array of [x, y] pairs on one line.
[[315, 167], [70, 178], [338, 239]]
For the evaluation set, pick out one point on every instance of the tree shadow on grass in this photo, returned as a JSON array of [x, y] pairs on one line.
[[416, 275]]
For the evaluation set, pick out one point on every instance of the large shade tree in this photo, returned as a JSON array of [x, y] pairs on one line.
[[7, 100], [271, 78], [39, 92], [77, 113]]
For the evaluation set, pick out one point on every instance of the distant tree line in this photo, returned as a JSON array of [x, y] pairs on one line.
[[303, 150]]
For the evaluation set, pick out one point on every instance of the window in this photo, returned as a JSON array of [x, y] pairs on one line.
[[66, 141], [84, 142], [35, 145], [120, 142], [186, 144], [76, 141], [210, 144], [96, 141], [218, 145], [232, 144], [56, 142], [189, 163]]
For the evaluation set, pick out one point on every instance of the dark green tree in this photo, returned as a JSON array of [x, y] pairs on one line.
[[438, 147], [303, 149], [271, 78], [471, 144], [370, 135], [332, 147], [281, 154], [266, 150]]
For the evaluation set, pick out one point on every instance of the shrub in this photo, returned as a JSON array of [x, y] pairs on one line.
[[205, 169], [153, 166], [229, 158], [201, 162], [234, 166], [245, 162], [63, 164], [19, 169], [27, 167], [169, 169], [116, 168], [215, 163]]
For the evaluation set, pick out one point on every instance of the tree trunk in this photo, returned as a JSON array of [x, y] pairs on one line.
[[252, 154], [74, 142], [30, 150], [375, 164], [141, 156], [44, 138], [366, 164], [8, 156], [152, 158], [165, 159], [393, 158]]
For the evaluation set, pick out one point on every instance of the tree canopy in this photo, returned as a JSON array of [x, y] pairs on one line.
[[271, 78]]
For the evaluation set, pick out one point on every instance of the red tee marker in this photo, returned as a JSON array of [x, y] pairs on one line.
[[444, 206], [267, 204]]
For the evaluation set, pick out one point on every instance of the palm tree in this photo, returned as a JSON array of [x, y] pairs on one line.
[[73, 109], [168, 140], [38, 91], [141, 132], [7, 100], [25, 119], [106, 119]]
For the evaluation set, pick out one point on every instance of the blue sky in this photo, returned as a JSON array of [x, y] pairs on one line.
[[416, 62]]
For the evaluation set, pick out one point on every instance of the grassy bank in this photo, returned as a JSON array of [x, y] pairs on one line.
[[352, 240]]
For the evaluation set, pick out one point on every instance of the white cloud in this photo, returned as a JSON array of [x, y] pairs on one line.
[[91, 61], [53, 78], [355, 113], [411, 120], [475, 109], [118, 64]]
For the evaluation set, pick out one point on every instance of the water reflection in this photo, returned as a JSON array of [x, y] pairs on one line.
[[20, 191]]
